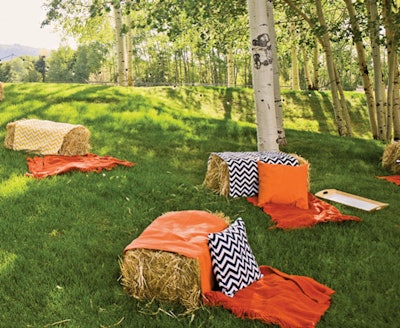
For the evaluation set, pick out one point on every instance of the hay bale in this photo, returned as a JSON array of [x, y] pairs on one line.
[[217, 174], [148, 274], [390, 156], [165, 276], [75, 142]]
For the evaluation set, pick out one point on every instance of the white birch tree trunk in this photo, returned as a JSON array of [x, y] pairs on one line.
[[363, 67], [121, 80], [129, 48], [230, 68], [334, 82], [315, 80], [379, 86], [295, 60], [263, 80], [306, 69], [277, 90]]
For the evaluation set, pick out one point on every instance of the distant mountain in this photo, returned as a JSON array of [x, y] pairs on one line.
[[8, 52]]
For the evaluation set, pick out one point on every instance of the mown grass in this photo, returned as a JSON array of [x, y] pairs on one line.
[[61, 237]]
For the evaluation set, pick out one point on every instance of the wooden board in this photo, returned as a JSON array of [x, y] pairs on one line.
[[351, 200]]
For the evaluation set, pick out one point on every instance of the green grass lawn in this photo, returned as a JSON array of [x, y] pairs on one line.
[[61, 238]]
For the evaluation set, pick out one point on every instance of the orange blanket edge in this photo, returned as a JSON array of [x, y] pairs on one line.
[[289, 301], [292, 217], [48, 165], [391, 178]]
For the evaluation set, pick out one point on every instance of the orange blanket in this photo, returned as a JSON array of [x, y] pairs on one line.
[[292, 217], [185, 233], [393, 178], [41, 167], [278, 298]]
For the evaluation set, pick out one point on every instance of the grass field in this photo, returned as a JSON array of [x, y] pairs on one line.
[[61, 238]]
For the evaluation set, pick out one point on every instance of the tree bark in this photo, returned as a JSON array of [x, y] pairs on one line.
[[230, 68], [315, 81], [391, 46], [306, 69], [378, 77], [363, 68], [263, 81], [295, 60], [121, 80], [334, 81], [277, 90], [129, 48]]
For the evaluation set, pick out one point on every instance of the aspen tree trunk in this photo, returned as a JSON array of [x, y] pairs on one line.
[[391, 47], [334, 82], [230, 68], [306, 69], [396, 103], [315, 82], [378, 76], [120, 46], [129, 48], [343, 104], [263, 81], [363, 68], [337, 108], [295, 60], [277, 90]]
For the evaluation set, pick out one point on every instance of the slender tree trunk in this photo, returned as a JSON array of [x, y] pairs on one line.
[[343, 104], [392, 43], [396, 103], [378, 76], [295, 60], [315, 81], [277, 90], [230, 68], [121, 80], [334, 81], [129, 48], [363, 68], [263, 80], [306, 69]]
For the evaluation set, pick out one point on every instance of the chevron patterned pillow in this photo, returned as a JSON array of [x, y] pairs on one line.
[[233, 262]]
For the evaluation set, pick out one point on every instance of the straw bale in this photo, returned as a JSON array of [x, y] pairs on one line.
[[165, 276], [217, 175], [75, 142], [148, 274], [390, 156]]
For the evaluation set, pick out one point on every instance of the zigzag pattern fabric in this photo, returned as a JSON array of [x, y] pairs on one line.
[[44, 137], [233, 262], [243, 171]]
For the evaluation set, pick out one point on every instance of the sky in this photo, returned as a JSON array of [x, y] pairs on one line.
[[20, 22]]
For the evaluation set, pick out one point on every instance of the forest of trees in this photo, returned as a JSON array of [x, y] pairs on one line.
[[333, 45]]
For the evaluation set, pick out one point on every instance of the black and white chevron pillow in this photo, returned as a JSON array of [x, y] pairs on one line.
[[232, 259]]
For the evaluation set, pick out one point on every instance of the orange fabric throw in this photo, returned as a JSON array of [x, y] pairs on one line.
[[185, 233], [393, 178], [278, 298], [43, 166], [292, 217]]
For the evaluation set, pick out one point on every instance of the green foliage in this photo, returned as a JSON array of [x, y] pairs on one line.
[[62, 237]]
